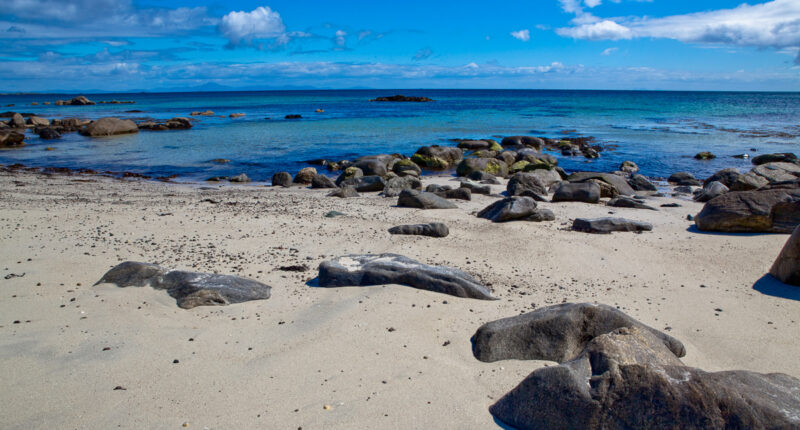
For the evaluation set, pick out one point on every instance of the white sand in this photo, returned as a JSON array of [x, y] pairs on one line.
[[277, 363]]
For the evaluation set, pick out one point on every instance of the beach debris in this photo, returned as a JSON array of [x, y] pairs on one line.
[[435, 229], [190, 289], [381, 269], [787, 266], [771, 209], [608, 225], [586, 192], [104, 127], [422, 200]]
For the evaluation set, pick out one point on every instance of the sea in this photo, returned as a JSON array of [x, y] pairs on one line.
[[660, 131]]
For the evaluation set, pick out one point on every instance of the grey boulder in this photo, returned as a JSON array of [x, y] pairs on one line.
[[774, 210], [365, 184], [787, 266], [618, 183], [282, 179], [711, 190], [423, 200], [109, 127], [509, 209], [322, 181], [396, 185], [608, 225], [641, 183], [586, 192], [522, 181], [435, 229], [683, 178], [629, 202]]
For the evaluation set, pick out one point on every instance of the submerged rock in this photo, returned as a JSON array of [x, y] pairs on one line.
[[190, 289], [367, 270], [608, 225], [109, 127], [435, 229]]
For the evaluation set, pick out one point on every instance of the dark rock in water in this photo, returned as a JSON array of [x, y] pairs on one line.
[[455, 194], [522, 181], [787, 266], [305, 175], [190, 289], [435, 229], [474, 145], [726, 177], [683, 178], [240, 178], [608, 225], [109, 127], [401, 98], [11, 139], [283, 179], [541, 215], [629, 167], [555, 333], [628, 379], [619, 184], [395, 185], [509, 209], [365, 184], [423, 200], [293, 116], [535, 142], [711, 190], [437, 157], [322, 181], [48, 134], [483, 177], [578, 192], [641, 183], [349, 172], [476, 188], [627, 202], [704, 156], [366, 270], [344, 193], [772, 158], [16, 121], [761, 211], [492, 166], [372, 165]]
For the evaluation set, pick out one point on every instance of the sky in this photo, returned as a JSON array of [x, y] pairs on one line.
[[132, 45]]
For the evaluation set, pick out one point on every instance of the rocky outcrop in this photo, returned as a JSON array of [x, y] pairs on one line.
[[437, 157], [787, 266], [76, 101], [109, 127], [609, 225], [179, 123], [435, 229], [190, 289], [367, 270], [762, 211], [423, 200], [492, 166], [576, 192]]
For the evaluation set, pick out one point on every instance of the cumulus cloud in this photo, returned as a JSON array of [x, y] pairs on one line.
[[260, 23], [609, 51], [774, 24], [523, 35]]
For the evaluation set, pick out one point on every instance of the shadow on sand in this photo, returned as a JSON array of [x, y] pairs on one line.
[[693, 229], [773, 287]]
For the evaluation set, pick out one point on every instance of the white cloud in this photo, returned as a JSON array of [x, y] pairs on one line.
[[609, 51], [592, 3], [260, 23], [774, 24], [523, 35], [340, 37]]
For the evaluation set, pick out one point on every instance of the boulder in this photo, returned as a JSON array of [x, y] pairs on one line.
[[240, 178], [705, 155], [344, 193], [508, 157], [608, 225], [349, 173], [683, 178], [283, 179], [435, 229], [423, 200], [748, 181], [11, 138], [437, 157], [556, 333], [540, 215], [760, 211], [375, 165], [787, 267], [778, 171], [641, 183], [535, 142], [606, 189], [396, 185], [190, 289], [406, 167], [576, 192], [455, 194], [711, 190], [726, 177], [365, 184], [476, 188], [16, 121], [367, 270], [305, 175], [619, 183], [109, 127], [521, 182], [548, 177], [80, 101], [787, 157], [203, 113], [474, 145], [48, 133], [509, 209], [489, 165], [37, 121], [322, 181], [629, 202], [483, 177], [629, 167]]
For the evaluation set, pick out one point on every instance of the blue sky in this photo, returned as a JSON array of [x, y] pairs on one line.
[[574, 44]]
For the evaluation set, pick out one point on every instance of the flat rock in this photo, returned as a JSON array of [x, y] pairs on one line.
[[628, 202], [423, 200], [190, 289], [586, 192], [759, 211], [509, 209], [365, 184], [367, 270], [787, 266], [608, 225], [435, 229]]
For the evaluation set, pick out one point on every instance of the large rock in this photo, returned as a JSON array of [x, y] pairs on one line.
[[555, 333], [586, 192], [437, 157], [322, 181], [710, 191], [406, 167], [748, 181], [629, 202], [493, 166], [628, 167], [396, 185], [344, 193], [772, 158], [641, 183], [609, 225], [548, 177], [190, 289], [535, 142], [683, 178], [37, 121], [476, 188], [366, 270], [778, 171], [423, 200], [726, 177], [11, 138], [349, 172], [365, 184], [617, 182], [509, 209], [374, 165], [761, 211], [16, 121], [109, 127], [283, 179], [48, 133], [435, 229], [455, 194], [787, 267], [522, 182], [305, 175], [80, 101]]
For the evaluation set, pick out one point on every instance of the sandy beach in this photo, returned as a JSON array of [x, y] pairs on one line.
[[360, 357]]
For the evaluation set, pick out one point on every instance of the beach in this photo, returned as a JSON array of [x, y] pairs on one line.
[[78, 355]]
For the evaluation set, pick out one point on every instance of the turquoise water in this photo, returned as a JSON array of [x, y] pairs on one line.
[[660, 131]]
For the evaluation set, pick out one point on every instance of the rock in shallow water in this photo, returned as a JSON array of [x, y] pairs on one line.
[[435, 229], [608, 225], [190, 289], [367, 270]]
